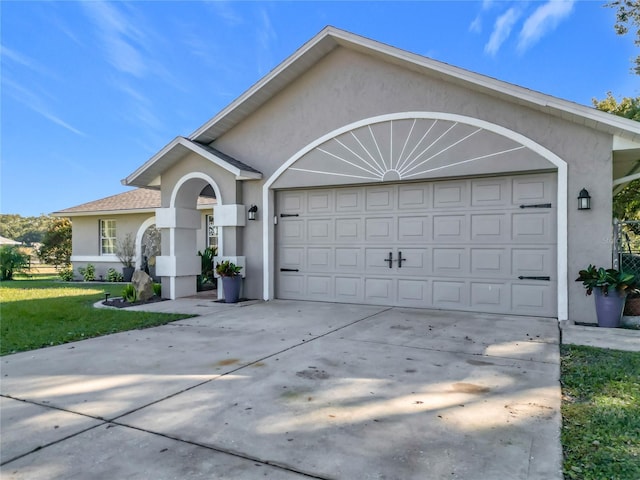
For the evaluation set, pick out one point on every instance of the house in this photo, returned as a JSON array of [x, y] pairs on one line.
[[98, 225], [379, 176]]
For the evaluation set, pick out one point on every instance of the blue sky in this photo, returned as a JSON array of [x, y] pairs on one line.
[[91, 90]]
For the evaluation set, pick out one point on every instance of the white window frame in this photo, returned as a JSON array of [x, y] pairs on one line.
[[113, 239]]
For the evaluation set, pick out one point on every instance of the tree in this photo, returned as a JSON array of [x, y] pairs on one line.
[[24, 229], [56, 244], [628, 16], [628, 107], [12, 260]]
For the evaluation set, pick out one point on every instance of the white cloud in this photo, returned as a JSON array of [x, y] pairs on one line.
[[265, 34], [476, 25], [543, 20], [226, 12], [501, 30]]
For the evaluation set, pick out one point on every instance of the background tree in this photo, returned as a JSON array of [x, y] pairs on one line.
[[24, 229], [628, 16], [56, 244]]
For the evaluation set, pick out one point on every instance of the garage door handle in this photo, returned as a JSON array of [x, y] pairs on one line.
[[289, 270], [400, 259], [390, 260], [533, 278]]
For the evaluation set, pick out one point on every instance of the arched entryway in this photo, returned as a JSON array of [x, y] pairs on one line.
[[179, 264]]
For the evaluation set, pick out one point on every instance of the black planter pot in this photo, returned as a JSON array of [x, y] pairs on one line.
[[231, 287], [127, 273]]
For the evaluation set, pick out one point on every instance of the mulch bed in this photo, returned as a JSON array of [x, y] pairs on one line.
[[121, 303]]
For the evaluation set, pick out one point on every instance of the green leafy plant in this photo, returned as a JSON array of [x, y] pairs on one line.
[[227, 269], [206, 258], [66, 274], [129, 293], [114, 276], [12, 261], [88, 273], [594, 277], [157, 289]]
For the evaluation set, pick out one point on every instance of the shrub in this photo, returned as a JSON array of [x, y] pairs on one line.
[[66, 274], [114, 276], [129, 293], [88, 273], [12, 261], [157, 289]]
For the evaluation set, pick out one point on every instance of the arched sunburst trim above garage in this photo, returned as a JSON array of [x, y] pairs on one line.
[[409, 146]]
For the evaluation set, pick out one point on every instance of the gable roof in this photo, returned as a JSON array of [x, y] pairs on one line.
[[139, 200], [331, 38], [147, 174], [626, 132]]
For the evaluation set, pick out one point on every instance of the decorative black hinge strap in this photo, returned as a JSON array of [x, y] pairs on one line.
[[282, 215], [533, 278], [289, 270], [537, 205]]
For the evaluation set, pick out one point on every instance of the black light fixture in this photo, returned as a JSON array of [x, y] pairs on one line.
[[584, 200], [252, 212]]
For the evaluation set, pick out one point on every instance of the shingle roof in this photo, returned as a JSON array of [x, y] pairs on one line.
[[137, 200]]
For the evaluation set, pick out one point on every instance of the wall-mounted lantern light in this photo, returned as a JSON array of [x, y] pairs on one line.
[[584, 200], [252, 212]]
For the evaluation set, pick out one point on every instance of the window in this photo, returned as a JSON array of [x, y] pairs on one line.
[[212, 232], [107, 237]]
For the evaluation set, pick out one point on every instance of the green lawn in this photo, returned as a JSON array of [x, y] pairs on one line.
[[39, 312], [601, 413]]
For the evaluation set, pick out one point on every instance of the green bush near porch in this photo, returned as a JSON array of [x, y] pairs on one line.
[[41, 313]]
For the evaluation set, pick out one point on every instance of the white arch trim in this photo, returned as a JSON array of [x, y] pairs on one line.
[[143, 228], [174, 194], [562, 220]]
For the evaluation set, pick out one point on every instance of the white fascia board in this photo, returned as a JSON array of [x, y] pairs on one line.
[[620, 143], [238, 172], [96, 213], [627, 179]]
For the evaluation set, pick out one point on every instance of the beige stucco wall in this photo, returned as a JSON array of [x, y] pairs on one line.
[[86, 239], [346, 87]]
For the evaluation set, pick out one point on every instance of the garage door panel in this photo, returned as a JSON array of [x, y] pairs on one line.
[[349, 200], [489, 262], [450, 228], [414, 292], [349, 259], [291, 231], [533, 189], [490, 193], [490, 228], [414, 229], [320, 201], [380, 229], [292, 257], [415, 261], [320, 230], [530, 298], [376, 259], [450, 194], [448, 294], [450, 262], [292, 202], [291, 286], [349, 289], [533, 227], [489, 296], [380, 199], [379, 291], [320, 259], [319, 287], [349, 230], [532, 262], [414, 196]]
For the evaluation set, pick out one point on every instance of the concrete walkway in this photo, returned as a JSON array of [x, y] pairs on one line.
[[291, 390]]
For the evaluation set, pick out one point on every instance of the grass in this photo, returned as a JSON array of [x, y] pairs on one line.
[[41, 312], [601, 413]]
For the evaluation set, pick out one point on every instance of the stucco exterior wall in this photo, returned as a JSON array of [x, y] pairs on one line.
[[347, 87]]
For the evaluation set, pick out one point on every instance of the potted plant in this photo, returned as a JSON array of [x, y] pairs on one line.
[[610, 287], [126, 253], [231, 280]]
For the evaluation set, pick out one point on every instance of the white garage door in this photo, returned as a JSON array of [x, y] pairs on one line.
[[484, 245]]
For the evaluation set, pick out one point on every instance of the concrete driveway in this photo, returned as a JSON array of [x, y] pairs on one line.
[[291, 390]]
